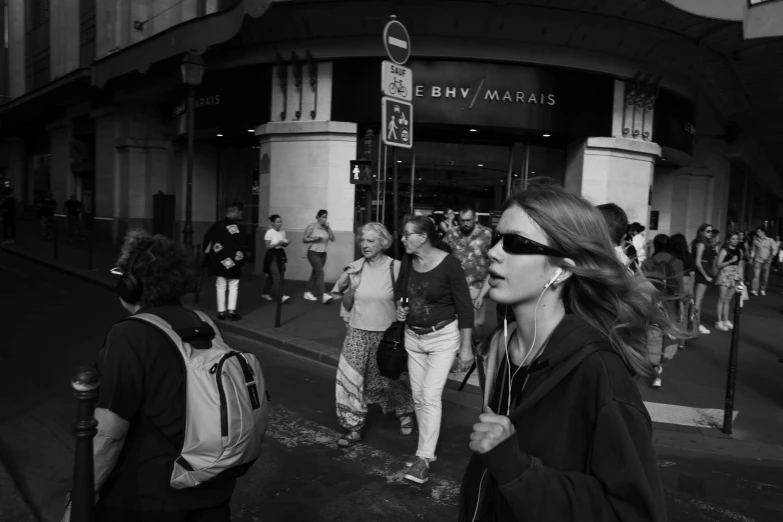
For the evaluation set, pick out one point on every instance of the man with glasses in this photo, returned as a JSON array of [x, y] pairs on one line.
[[470, 243]]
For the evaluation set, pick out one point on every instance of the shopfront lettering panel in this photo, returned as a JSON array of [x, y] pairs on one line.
[[485, 94]]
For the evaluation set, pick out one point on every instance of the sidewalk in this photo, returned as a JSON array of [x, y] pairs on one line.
[[687, 411]]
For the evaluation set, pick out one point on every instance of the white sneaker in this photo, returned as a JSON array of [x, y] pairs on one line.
[[729, 325], [657, 382], [285, 298], [753, 292], [266, 297], [763, 292], [326, 298], [309, 296], [721, 326], [703, 329]]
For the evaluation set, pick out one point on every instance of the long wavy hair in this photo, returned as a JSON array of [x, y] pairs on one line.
[[601, 291], [701, 237]]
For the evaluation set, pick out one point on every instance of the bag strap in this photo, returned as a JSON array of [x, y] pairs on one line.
[[405, 268]]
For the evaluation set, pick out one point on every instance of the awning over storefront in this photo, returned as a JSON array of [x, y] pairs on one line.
[[45, 101], [195, 35]]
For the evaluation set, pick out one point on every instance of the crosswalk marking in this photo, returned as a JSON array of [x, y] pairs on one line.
[[289, 429], [686, 415]]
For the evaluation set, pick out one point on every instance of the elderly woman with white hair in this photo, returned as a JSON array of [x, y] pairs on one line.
[[367, 291]]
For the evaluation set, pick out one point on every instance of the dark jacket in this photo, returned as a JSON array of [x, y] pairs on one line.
[[582, 448], [226, 248]]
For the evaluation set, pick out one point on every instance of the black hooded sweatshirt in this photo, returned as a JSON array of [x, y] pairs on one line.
[[582, 450]]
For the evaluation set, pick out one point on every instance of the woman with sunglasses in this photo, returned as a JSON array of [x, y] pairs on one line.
[[703, 255], [564, 435], [438, 320]]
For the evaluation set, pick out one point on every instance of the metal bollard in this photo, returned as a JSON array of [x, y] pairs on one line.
[[55, 244], [731, 379], [85, 383], [199, 272], [89, 252], [279, 310]]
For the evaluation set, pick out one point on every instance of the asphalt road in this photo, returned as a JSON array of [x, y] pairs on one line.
[[53, 323]]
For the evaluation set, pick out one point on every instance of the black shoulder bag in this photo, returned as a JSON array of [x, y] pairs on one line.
[[392, 357]]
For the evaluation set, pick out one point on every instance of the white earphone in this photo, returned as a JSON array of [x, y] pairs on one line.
[[558, 273]]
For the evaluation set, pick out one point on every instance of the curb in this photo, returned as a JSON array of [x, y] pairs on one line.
[[672, 437]]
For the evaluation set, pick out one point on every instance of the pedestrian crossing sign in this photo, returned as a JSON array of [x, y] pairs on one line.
[[397, 119], [361, 172]]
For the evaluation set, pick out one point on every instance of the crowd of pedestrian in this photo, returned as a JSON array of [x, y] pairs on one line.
[[586, 309]]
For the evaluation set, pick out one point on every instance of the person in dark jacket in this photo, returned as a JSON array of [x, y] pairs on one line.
[[564, 435], [226, 248]]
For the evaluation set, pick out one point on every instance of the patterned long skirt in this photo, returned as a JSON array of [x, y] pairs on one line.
[[359, 383]]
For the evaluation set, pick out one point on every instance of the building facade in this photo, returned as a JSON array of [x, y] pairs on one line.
[[669, 114]]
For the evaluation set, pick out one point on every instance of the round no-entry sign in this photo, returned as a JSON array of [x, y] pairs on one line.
[[397, 42]]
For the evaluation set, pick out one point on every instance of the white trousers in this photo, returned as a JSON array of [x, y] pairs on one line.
[[430, 357], [233, 293]]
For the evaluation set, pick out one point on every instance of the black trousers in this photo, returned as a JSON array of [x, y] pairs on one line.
[[219, 513]]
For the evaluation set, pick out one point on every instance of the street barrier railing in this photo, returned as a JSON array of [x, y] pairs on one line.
[[85, 384]]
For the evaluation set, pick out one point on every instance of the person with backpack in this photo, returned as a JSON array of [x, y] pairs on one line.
[[665, 272], [227, 248], [155, 460]]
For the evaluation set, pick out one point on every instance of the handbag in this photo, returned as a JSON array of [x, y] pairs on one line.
[[391, 356]]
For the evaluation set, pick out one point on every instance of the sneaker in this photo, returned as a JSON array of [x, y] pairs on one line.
[[266, 297], [327, 298], [703, 330], [656, 383], [763, 292], [721, 326], [419, 472], [285, 298], [729, 325], [309, 296], [411, 461], [753, 292]]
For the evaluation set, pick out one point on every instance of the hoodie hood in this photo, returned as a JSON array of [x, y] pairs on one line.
[[570, 343]]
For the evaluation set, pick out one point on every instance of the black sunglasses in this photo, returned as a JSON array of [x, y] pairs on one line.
[[520, 245]]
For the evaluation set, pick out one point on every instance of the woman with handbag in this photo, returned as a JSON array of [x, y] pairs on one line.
[[439, 324], [367, 291]]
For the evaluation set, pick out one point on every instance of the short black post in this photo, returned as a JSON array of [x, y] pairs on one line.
[[53, 231], [199, 274], [90, 251], [731, 380], [85, 383], [279, 299]]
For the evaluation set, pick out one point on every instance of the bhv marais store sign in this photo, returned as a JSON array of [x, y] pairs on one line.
[[483, 94], [469, 93]]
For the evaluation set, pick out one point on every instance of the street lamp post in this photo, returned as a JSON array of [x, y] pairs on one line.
[[192, 69]]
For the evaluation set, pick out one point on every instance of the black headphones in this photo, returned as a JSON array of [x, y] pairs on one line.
[[129, 288]]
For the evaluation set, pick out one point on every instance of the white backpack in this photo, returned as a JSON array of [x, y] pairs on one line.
[[227, 409]]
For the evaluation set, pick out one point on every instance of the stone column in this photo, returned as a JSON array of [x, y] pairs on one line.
[[107, 178], [61, 181], [17, 72], [613, 170], [64, 37], [308, 165]]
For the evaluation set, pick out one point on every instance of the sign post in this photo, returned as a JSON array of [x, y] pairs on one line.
[[396, 106]]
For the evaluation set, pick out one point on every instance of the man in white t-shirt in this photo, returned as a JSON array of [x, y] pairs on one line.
[[275, 258]]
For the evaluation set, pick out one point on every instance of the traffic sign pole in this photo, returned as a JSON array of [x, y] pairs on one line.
[[396, 216]]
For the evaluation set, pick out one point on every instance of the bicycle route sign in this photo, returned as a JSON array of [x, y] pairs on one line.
[[397, 116], [396, 81]]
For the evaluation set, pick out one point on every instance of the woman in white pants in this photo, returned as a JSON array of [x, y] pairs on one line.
[[439, 324]]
